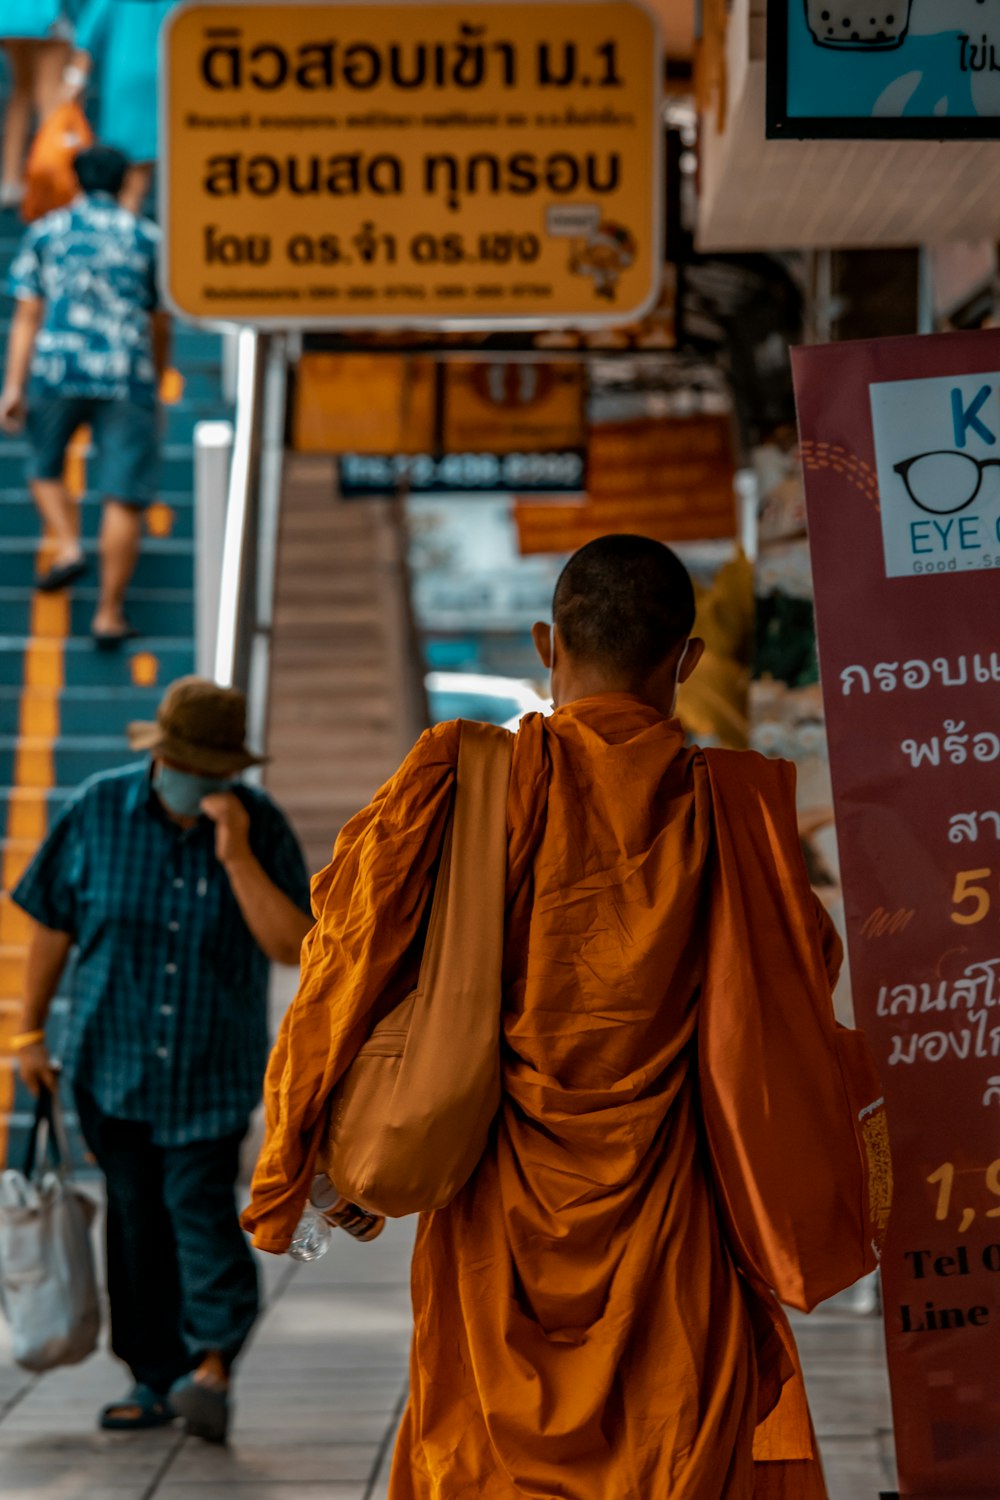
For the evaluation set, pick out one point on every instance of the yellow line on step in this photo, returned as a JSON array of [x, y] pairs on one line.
[[42, 680]]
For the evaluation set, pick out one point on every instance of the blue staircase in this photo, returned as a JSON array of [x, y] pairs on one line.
[[64, 706]]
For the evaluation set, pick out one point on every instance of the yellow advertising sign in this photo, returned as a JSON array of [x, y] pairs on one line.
[[471, 164]]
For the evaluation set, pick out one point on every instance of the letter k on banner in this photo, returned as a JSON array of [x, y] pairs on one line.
[[967, 416]]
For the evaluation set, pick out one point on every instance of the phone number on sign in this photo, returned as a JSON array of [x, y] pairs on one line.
[[375, 474]]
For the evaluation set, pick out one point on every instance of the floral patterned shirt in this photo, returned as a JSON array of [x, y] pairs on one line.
[[94, 264]]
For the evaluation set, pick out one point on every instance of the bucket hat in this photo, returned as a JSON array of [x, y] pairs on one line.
[[200, 726]]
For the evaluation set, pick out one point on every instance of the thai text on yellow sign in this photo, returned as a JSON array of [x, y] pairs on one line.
[[455, 165]]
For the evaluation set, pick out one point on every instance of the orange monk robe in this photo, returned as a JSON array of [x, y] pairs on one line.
[[581, 1328]]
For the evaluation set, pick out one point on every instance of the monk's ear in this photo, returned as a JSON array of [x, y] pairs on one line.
[[542, 636], [692, 656]]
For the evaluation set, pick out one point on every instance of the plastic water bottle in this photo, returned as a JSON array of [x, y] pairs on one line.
[[325, 1211], [311, 1239], [336, 1210]]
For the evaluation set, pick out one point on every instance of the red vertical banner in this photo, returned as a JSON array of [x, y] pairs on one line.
[[900, 445]]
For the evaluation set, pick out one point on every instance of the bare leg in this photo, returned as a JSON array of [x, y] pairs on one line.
[[213, 1371], [58, 512], [50, 59], [121, 531], [17, 120], [137, 185]]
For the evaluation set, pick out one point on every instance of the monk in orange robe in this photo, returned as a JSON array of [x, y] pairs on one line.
[[591, 1317]]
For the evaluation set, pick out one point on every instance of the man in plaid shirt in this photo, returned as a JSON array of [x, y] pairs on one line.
[[178, 888]]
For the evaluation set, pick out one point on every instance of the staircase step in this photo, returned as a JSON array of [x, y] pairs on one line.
[[72, 758], [170, 518], [353, 574], [17, 856], [321, 744], [192, 344], [12, 965], [181, 419], [28, 813], [162, 612], [20, 518], [323, 710], [76, 710], [145, 663], [351, 549], [176, 469], [163, 564], [201, 382], [15, 925], [318, 613]]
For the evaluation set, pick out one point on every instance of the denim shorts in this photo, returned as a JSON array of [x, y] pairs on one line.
[[125, 437]]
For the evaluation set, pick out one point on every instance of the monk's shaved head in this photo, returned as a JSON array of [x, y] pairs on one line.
[[624, 603]]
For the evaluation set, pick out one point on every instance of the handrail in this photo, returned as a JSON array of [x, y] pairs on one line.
[[250, 545], [231, 651]]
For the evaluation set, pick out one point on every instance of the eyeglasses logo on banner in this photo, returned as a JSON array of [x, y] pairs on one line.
[[944, 483], [940, 500]]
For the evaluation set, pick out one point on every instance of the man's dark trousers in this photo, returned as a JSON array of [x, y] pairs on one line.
[[181, 1278]]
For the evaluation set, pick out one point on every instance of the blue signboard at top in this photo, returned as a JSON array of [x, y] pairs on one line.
[[884, 69]]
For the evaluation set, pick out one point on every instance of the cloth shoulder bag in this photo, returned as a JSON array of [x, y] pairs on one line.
[[48, 1285], [410, 1118], [792, 1102], [49, 179]]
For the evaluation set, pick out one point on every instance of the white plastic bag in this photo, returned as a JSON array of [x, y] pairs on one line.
[[48, 1287]]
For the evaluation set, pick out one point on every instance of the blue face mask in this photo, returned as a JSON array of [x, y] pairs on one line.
[[181, 792]]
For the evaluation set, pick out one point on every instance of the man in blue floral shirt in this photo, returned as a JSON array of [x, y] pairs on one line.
[[88, 345]]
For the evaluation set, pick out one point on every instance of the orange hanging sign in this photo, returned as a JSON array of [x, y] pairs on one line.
[[363, 403], [670, 478], [506, 406]]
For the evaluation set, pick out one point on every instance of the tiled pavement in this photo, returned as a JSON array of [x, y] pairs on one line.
[[322, 1384], [319, 1394]]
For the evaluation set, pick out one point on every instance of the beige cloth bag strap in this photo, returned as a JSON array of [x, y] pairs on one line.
[[463, 952], [410, 1118]]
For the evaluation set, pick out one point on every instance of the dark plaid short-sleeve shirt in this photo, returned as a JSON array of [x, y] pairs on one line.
[[168, 1023]]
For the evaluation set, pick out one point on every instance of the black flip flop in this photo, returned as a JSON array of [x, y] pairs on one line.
[[204, 1408], [150, 1410], [61, 576], [113, 640]]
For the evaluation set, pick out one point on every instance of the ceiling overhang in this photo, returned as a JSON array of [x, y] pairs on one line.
[[757, 194]]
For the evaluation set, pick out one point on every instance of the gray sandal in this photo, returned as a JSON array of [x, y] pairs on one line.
[[205, 1409], [142, 1407]]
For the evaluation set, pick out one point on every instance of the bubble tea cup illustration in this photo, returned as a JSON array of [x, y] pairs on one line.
[[859, 25]]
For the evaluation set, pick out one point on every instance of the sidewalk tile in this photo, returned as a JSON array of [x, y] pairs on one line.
[[320, 1388], [223, 1490], [856, 1468], [290, 1460]]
